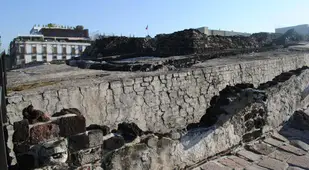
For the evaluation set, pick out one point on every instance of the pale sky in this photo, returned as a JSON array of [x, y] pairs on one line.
[[125, 17]]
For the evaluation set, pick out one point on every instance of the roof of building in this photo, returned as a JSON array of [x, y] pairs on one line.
[[60, 32]]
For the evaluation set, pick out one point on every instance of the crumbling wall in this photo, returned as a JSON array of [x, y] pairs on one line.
[[251, 114], [159, 103], [245, 117]]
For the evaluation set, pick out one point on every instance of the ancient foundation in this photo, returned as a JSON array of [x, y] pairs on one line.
[[164, 104]]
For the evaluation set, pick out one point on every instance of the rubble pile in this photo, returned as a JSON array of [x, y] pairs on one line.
[[188, 41], [290, 37], [192, 41], [109, 46], [265, 39]]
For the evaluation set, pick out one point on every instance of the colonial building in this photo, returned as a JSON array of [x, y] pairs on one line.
[[49, 43]]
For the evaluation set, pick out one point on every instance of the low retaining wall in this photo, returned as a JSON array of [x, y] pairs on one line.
[[156, 103], [159, 103]]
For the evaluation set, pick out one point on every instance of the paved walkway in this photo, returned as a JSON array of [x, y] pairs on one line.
[[273, 152]]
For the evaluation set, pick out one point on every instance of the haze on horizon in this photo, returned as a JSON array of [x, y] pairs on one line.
[[124, 17]]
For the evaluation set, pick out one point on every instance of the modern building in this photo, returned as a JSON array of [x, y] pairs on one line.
[[49, 43], [300, 29], [207, 31]]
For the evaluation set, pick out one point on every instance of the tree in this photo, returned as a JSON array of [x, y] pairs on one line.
[[79, 27], [50, 25]]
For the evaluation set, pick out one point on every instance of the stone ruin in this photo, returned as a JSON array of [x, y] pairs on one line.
[[237, 115], [192, 110], [173, 51]]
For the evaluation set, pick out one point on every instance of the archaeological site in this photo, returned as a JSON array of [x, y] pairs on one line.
[[173, 102]]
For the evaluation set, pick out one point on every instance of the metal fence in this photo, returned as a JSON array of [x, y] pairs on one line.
[[3, 117]]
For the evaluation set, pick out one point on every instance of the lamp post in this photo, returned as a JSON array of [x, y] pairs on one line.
[[3, 155]]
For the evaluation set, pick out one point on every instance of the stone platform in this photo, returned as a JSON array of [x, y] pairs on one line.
[[275, 152]]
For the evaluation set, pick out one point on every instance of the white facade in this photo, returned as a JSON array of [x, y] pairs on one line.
[[30, 51], [208, 31], [300, 29]]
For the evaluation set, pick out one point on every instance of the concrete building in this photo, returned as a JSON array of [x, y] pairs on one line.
[[300, 29], [207, 31], [48, 44]]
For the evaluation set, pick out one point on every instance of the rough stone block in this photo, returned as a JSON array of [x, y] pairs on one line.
[[43, 132], [21, 148], [21, 131], [26, 161], [86, 156], [89, 139], [95, 138], [71, 125], [251, 136], [113, 143], [78, 142]]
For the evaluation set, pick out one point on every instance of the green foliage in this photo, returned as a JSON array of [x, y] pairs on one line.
[[50, 25], [79, 27]]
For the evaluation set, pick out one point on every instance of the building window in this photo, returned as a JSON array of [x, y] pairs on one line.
[[44, 57], [64, 50], [33, 58], [44, 50], [33, 49], [64, 57], [73, 51], [54, 57], [80, 49], [55, 50], [22, 49], [21, 57]]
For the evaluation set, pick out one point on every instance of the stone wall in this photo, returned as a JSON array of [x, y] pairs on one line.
[[231, 130], [164, 103], [157, 103]]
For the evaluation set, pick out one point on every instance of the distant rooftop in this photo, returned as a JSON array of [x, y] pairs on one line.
[[53, 30], [301, 25]]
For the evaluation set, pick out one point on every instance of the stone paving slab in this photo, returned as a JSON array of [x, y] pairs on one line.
[[211, 166], [300, 144], [280, 155], [271, 163], [248, 155], [229, 163], [240, 161], [277, 136], [294, 168], [273, 142], [255, 167], [262, 148], [299, 161], [292, 149]]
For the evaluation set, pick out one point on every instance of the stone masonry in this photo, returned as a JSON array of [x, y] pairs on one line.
[[158, 103], [162, 102]]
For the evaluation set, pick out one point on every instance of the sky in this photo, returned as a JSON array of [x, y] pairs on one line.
[[130, 17]]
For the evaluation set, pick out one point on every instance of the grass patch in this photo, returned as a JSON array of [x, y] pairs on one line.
[[30, 86]]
